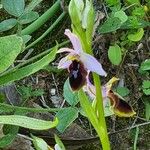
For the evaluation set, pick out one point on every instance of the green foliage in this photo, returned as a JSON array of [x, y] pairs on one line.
[[134, 22], [145, 66], [122, 91], [121, 15], [59, 142], [115, 54], [39, 143], [112, 2], [10, 47], [66, 117], [15, 7], [118, 19], [7, 24], [146, 87], [28, 17], [89, 110], [147, 108], [139, 12], [110, 25], [29, 69], [32, 5], [27, 122], [70, 96], [133, 1], [26, 38], [137, 36], [27, 92], [9, 136]]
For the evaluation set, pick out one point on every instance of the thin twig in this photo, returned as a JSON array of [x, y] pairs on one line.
[[25, 137], [129, 128]]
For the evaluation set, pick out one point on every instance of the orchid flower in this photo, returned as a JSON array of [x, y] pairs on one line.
[[78, 63], [118, 105]]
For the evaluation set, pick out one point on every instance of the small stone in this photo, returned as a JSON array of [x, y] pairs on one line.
[[53, 92]]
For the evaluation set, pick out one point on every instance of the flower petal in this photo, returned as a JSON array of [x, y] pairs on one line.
[[69, 50], [92, 64], [119, 106], [64, 63], [74, 40]]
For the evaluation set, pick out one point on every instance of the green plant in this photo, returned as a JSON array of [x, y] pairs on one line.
[[14, 45]]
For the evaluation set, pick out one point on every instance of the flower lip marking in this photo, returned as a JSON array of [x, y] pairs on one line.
[[77, 75]]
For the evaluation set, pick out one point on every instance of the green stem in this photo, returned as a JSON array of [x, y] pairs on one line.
[[102, 128], [47, 31], [102, 131], [42, 19], [136, 138]]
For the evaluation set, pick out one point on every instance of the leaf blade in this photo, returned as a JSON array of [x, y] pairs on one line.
[[15, 7], [29, 69], [115, 55], [10, 47], [66, 117], [27, 122], [7, 24]]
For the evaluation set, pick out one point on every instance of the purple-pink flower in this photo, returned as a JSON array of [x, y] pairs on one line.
[[78, 62]]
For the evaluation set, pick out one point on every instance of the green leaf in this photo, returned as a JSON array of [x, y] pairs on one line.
[[26, 38], [28, 122], [15, 7], [145, 65], [121, 15], [87, 107], [146, 84], [134, 22], [39, 143], [59, 142], [133, 1], [146, 91], [7, 24], [70, 96], [66, 117], [8, 138], [122, 91], [27, 92], [29, 69], [32, 5], [137, 36], [146, 87], [115, 55], [110, 25], [112, 2], [5, 108], [10, 47], [28, 17], [138, 11], [147, 108]]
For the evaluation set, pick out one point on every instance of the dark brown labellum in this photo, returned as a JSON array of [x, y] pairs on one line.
[[77, 75], [120, 107]]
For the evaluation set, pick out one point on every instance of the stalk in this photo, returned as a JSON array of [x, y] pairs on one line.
[[102, 131], [47, 31], [102, 128], [42, 19]]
